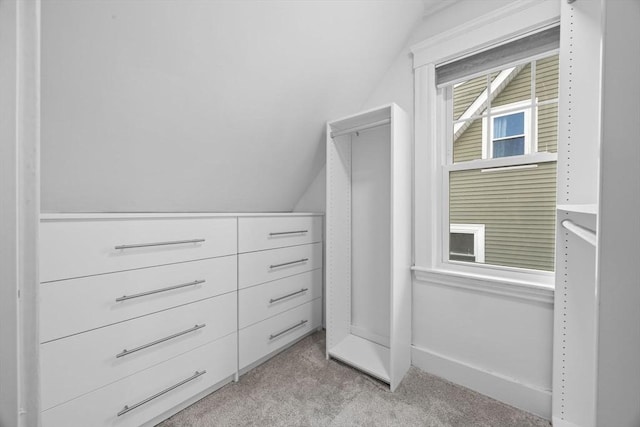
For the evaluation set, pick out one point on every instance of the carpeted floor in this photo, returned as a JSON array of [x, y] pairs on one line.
[[299, 387]]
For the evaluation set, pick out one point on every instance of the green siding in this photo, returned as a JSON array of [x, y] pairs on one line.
[[469, 145], [548, 128], [466, 93], [517, 208], [547, 78], [519, 89]]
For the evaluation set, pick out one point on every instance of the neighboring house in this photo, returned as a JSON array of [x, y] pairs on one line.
[[505, 216]]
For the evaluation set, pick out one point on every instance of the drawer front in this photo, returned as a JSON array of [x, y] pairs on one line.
[[101, 407], [264, 266], [82, 248], [263, 301], [255, 234], [81, 363], [71, 306], [269, 335]]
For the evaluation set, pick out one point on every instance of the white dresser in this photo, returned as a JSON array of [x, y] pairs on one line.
[[143, 314], [279, 284]]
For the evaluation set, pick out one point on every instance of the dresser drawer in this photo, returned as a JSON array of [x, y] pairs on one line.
[[80, 248], [256, 234], [259, 267], [269, 335], [102, 406], [260, 302], [81, 363], [71, 306]]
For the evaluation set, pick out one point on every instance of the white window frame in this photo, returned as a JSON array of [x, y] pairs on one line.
[[478, 237], [432, 158], [530, 134]]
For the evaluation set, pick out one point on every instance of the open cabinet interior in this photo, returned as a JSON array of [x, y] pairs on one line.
[[368, 243]]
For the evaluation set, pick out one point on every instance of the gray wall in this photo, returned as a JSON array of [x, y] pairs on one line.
[[202, 105]]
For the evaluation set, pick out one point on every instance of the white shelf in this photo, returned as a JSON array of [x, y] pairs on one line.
[[586, 208], [365, 355]]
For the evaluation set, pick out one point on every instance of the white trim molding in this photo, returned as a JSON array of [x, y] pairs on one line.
[[505, 389], [513, 20], [19, 211], [485, 284]]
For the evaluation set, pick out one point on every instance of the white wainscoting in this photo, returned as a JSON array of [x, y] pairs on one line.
[[486, 336]]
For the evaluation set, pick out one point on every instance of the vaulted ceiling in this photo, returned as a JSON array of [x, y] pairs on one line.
[[174, 105]]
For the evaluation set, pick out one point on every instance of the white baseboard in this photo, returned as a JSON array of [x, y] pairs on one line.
[[508, 390]]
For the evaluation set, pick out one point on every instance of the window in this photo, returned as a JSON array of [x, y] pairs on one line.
[[500, 65], [499, 174], [466, 242], [509, 131]]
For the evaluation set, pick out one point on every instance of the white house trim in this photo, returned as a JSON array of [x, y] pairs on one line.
[[530, 134], [478, 237], [480, 103]]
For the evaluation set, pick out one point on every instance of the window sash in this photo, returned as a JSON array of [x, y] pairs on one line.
[[531, 158]]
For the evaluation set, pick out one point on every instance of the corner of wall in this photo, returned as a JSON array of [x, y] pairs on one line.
[[314, 197]]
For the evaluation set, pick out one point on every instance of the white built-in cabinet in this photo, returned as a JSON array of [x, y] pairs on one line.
[[368, 247], [143, 314], [576, 296], [596, 375]]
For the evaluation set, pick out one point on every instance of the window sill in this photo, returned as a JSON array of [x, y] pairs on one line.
[[523, 290]]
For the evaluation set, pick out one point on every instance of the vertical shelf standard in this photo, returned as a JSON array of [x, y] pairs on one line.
[[576, 293], [368, 244]]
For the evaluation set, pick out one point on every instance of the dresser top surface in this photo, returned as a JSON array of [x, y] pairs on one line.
[[158, 215]]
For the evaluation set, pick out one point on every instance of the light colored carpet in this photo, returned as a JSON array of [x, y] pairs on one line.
[[299, 387]]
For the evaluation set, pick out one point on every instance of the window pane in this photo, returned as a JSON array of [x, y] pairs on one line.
[[515, 87], [461, 243], [467, 140], [517, 208], [548, 128], [465, 93], [508, 147], [510, 125], [547, 78]]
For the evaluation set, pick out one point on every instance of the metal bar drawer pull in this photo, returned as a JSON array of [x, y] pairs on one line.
[[284, 233], [273, 336], [289, 263], [145, 245], [169, 288], [128, 408], [126, 352], [272, 300]]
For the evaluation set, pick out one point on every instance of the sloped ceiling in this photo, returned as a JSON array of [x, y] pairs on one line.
[[186, 105]]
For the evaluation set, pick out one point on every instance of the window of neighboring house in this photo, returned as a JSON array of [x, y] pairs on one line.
[[466, 242], [508, 131], [500, 170]]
